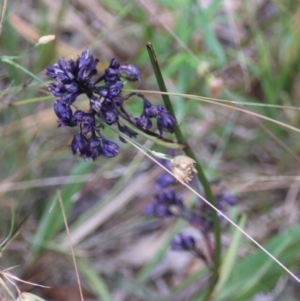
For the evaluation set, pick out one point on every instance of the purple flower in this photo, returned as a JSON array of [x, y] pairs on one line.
[[168, 196], [114, 64], [183, 242], [86, 65], [94, 147], [78, 116], [164, 181], [108, 112], [67, 92], [86, 124], [149, 209], [110, 90], [109, 148], [111, 74], [143, 122], [69, 98], [64, 114], [149, 110], [162, 210], [114, 90], [110, 116], [79, 145], [130, 72], [76, 77], [165, 121], [163, 203], [63, 70], [58, 89], [158, 210], [73, 77]]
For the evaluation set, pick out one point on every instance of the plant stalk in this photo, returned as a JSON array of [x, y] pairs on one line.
[[202, 178]]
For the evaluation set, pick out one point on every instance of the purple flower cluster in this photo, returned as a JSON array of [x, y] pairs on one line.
[[165, 121], [74, 78], [165, 180], [167, 203], [183, 242], [166, 200]]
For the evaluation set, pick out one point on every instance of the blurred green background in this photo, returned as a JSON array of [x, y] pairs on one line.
[[236, 50]]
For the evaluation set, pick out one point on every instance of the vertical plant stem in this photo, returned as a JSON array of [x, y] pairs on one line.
[[189, 152]]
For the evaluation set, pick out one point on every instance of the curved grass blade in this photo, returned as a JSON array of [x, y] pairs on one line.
[[216, 102], [9, 60]]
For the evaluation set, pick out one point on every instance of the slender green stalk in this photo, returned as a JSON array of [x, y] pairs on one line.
[[189, 152], [9, 60], [30, 100]]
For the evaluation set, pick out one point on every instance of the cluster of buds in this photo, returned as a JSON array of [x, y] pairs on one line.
[[74, 78], [165, 121], [183, 242], [167, 203]]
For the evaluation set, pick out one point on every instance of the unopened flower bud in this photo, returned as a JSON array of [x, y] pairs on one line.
[[130, 72], [183, 242], [79, 144], [143, 122], [109, 148], [183, 168], [215, 86], [45, 39], [203, 68]]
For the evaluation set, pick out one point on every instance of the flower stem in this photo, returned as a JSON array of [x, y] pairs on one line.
[[189, 152], [9, 60]]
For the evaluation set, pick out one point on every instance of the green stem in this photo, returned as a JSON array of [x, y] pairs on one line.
[[189, 152], [9, 60]]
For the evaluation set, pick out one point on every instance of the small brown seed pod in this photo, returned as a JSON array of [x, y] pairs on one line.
[[183, 168]]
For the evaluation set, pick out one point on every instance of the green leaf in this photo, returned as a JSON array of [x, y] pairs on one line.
[[95, 281], [230, 259]]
